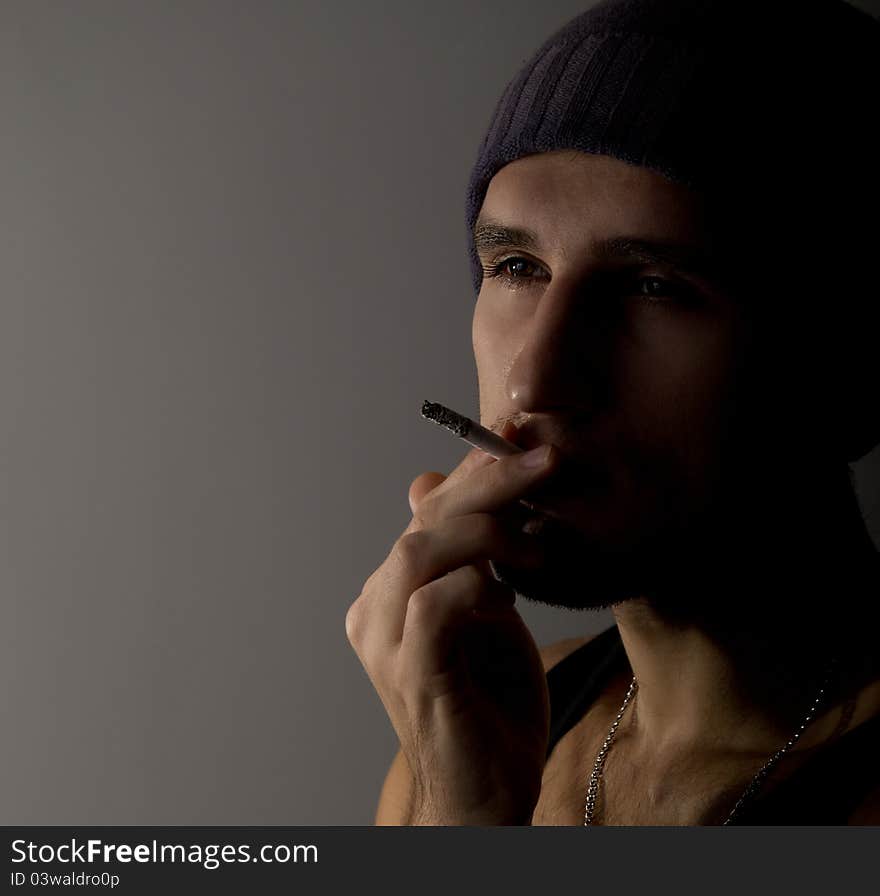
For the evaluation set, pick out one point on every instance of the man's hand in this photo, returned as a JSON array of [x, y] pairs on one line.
[[455, 666]]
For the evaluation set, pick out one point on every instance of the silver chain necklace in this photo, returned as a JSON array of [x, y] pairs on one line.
[[751, 789]]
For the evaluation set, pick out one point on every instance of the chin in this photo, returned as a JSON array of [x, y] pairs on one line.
[[588, 570]]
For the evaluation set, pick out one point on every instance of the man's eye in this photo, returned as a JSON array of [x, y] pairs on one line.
[[512, 270], [517, 271], [659, 289]]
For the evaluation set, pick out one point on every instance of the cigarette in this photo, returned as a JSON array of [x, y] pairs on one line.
[[469, 430]]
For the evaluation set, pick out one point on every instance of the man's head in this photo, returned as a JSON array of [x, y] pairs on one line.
[[676, 318], [606, 326]]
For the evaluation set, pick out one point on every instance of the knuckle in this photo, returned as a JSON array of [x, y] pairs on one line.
[[423, 603], [352, 625], [409, 548], [355, 622]]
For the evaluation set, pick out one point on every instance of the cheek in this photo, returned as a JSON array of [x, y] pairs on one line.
[[492, 341], [682, 395], [689, 373]]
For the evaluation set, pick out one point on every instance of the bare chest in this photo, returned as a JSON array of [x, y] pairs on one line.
[[687, 791], [630, 795]]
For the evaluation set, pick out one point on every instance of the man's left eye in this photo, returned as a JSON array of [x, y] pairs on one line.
[[659, 286], [659, 289]]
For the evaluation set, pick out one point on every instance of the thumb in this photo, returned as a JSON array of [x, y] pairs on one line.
[[420, 487]]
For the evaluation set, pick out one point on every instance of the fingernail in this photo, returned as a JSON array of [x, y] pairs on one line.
[[537, 457]]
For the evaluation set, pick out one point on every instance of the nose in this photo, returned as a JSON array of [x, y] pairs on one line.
[[558, 366]]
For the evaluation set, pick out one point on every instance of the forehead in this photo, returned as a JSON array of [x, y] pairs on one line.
[[566, 195]]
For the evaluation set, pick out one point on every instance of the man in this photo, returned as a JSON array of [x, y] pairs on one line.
[[666, 301]]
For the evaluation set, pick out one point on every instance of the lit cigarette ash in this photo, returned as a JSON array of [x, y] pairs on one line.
[[469, 430]]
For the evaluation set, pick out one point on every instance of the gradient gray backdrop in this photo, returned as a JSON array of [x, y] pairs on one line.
[[233, 265]]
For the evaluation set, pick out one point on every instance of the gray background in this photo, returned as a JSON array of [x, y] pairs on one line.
[[233, 265]]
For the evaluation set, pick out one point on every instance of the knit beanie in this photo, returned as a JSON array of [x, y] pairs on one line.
[[767, 108]]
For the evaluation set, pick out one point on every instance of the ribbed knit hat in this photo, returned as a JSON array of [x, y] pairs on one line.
[[765, 107]]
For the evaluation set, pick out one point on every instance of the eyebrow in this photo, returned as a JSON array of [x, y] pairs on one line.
[[490, 234]]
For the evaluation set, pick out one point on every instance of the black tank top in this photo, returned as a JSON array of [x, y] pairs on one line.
[[826, 790]]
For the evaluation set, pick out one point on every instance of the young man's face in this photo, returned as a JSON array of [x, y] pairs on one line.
[[628, 364]]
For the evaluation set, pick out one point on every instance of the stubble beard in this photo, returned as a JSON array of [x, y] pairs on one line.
[[577, 575], [669, 567]]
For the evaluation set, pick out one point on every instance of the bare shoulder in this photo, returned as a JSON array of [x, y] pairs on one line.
[[551, 654]]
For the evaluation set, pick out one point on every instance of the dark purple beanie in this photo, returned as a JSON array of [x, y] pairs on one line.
[[767, 109]]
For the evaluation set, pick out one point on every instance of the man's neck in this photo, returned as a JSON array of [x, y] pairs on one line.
[[740, 670]]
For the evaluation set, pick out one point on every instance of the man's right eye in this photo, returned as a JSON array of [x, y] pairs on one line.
[[513, 270]]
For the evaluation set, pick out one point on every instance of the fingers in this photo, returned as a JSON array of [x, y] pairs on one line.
[[420, 557], [435, 615], [436, 483], [488, 488], [438, 572]]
